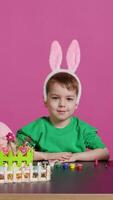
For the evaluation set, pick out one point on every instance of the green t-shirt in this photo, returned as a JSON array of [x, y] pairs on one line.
[[45, 137]]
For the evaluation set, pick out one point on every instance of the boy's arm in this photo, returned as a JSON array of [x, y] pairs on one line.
[[23, 137], [92, 141], [39, 155], [62, 156], [99, 154]]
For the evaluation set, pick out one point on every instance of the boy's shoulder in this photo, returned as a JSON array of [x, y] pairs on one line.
[[82, 124], [37, 123]]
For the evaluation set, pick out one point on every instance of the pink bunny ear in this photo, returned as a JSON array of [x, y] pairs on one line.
[[55, 58], [73, 56]]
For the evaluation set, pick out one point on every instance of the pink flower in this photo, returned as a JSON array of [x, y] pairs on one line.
[[10, 137], [5, 150], [23, 149]]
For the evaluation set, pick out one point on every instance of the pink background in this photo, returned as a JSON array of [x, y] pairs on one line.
[[27, 28]]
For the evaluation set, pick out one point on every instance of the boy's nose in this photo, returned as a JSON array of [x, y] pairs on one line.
[[62, 103]]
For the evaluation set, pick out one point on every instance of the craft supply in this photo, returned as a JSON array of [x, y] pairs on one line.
[[79, 166], [72, 166]]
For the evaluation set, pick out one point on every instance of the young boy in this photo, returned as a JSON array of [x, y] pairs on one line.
[[61, 136]]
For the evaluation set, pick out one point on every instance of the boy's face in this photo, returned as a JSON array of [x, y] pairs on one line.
[[61, 102]]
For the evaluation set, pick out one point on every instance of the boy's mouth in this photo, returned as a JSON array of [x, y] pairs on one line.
[[61, 111]]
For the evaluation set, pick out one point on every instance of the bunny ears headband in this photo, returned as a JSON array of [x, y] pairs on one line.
[[55, 60]]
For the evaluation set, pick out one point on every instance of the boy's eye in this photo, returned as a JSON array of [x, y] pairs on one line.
[[55, 98], [70, 99]]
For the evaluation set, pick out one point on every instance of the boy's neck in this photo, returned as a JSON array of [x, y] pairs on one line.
[[59, 124]]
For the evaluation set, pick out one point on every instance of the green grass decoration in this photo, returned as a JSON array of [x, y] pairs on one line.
[[19, 158]]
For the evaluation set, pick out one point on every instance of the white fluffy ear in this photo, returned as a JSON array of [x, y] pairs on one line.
[[73, 56], [55, 58]]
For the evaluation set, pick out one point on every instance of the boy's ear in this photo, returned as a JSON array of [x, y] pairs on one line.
[[76, 106], [45, 103]]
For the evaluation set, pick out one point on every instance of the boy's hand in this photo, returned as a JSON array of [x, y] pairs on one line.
[[62, 156], [39, 155], [73, 158]]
